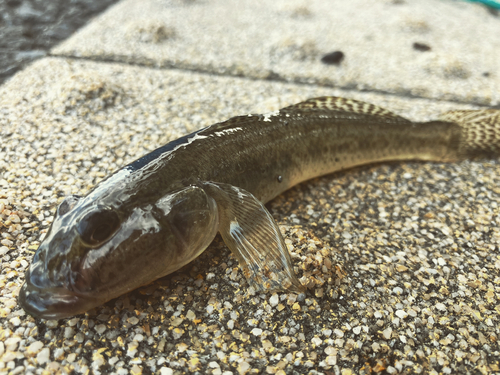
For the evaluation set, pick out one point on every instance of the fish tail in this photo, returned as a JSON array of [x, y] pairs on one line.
[[480, 131]]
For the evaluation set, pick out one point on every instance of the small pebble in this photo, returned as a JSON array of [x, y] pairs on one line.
[[401, 314], [43, 356], [34, 347], [338, 332], [274, 300], [256, 332]]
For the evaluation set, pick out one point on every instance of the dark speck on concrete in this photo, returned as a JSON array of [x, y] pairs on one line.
[[422, 47], [333, 58]]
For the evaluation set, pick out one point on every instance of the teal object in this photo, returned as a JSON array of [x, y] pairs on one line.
[[490, 3]]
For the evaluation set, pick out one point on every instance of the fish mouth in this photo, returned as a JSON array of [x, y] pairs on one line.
[[53, 303]]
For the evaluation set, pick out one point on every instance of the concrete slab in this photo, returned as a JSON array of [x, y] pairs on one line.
[[401, 259], [439, 49]]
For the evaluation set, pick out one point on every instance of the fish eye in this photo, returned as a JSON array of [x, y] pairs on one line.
[[98, 226]]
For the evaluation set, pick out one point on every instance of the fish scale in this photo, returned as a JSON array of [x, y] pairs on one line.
[[160, 212]]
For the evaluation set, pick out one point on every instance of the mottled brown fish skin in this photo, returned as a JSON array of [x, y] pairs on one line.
[[267, 154], [161, 211]]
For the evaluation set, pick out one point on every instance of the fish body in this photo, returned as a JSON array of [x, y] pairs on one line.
[[158, 213]]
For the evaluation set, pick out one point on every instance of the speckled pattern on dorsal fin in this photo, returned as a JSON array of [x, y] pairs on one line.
[[480, 129], [338, 104]]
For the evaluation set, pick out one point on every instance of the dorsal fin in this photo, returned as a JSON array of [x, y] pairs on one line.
[[345, 105], [488, 117]]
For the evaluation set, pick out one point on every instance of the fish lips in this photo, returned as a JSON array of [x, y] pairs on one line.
[[53, 303]]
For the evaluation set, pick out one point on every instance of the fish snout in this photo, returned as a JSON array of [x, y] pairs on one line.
[[51, 302]]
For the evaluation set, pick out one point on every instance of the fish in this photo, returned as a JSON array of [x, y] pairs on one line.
[[161, 211]]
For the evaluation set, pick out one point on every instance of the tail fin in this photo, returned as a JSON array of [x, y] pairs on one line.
[[480, 131]]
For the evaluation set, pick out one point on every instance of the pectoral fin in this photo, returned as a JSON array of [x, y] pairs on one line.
[[254, 238]]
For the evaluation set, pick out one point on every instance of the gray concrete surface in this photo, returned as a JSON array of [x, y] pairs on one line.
[[286, 40], [401, 260]]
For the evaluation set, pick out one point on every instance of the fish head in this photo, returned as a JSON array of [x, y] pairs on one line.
[[96, 250]]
